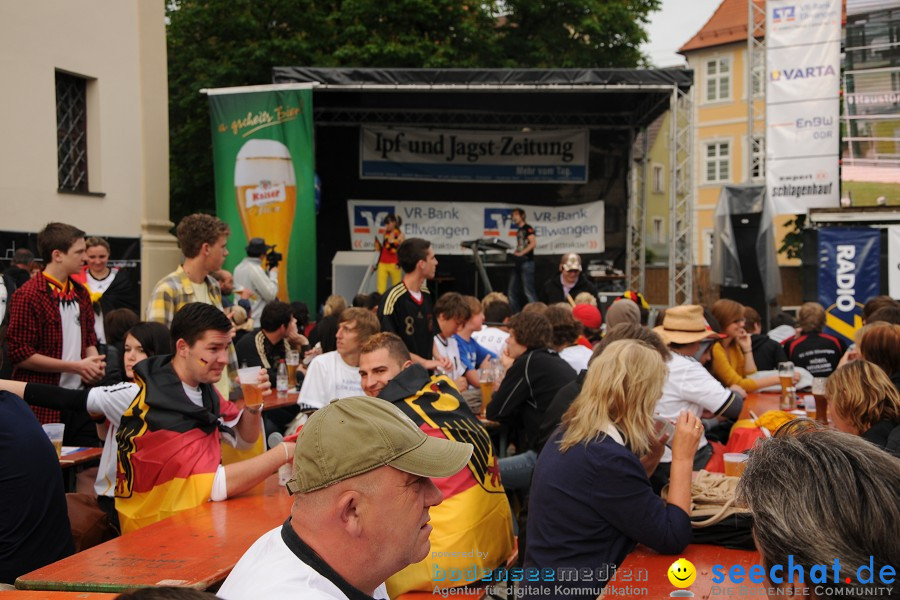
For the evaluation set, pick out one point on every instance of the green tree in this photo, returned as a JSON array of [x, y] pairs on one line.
[[212, 43], [575, 33]]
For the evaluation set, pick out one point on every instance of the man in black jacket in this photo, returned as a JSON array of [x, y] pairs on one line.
[[569, 283]]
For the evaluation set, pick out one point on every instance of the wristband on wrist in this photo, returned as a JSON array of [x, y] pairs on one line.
[[287, 457]]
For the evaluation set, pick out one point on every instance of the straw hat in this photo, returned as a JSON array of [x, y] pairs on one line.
[[685, 325]]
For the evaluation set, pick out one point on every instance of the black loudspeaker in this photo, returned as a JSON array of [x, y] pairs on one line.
[[751, 293]]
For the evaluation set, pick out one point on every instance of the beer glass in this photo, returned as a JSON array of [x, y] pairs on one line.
[[486, 382], [55, 432], [818, 391], [249, 377], [786, 374], [266, 190], [292, 360]]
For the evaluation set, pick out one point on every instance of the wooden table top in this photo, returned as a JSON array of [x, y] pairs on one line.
[[272, 401], [646, 569], [195, 548], [80, 457], [45, 595], [760, 402]]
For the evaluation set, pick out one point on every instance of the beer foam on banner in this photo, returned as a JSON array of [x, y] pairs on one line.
[[558, 229], [803, 69]]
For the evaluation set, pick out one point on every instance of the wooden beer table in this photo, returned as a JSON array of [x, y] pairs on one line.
[[195, 548], [760, 402], [272, 401], [644, 569], [45, 595], [72, 464]]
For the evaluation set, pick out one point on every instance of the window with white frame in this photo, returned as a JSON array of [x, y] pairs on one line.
[[717, 161], [658, 184], [718, 79], [758, 149], [658, 234]]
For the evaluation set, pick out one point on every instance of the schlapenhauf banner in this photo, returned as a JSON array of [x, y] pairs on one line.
[[552, 156], [803, 71], [558, 229], [848, 276], [265, 177]]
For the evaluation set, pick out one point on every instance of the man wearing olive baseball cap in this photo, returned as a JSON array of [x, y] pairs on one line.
[[689, 386], [362, 491]]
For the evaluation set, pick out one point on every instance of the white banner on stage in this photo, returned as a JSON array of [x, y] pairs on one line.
[[893, 233], [558, 229], [802, 103], [463, 155]]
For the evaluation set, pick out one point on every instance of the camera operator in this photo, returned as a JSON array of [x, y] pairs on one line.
[[261, 281]]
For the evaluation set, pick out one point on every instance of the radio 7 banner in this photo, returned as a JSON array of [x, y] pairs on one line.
[[559, 229], [848, 276], [265, 177]]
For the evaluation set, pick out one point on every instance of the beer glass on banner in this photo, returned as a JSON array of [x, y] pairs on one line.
[[266, 189]]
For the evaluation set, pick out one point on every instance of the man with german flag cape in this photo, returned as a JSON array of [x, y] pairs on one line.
[[472, 526], [169, 453]]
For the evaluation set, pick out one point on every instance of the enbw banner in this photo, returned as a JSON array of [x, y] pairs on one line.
[[848, 276], [265, 177]]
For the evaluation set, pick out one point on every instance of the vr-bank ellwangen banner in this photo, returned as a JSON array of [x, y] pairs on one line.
[[265, 182], [549, 156], [558, 229], [803, 69], [848, 276]]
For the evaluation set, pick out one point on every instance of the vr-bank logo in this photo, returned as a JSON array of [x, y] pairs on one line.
[[783, 14], [368, 219], [801, 73], [498, 222]]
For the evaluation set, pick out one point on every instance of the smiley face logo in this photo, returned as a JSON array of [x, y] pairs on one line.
[[682, 573]]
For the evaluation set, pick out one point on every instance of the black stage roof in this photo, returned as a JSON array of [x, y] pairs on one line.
[[596, 98]]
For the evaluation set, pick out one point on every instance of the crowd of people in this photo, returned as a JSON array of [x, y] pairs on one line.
[[589, 420]]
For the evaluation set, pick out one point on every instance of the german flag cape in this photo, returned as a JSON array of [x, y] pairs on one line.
[[168, 447], [472, 526]]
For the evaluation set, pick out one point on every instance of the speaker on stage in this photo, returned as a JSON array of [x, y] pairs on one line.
[[751, 292]]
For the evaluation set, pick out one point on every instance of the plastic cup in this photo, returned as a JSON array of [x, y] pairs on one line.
[[249, 378], [735, 463], [55, 432]]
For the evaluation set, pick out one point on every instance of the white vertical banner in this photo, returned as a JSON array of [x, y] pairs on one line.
[[894, 261], [803, 63]]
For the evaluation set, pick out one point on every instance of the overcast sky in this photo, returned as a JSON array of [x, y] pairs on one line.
[[674, 25]]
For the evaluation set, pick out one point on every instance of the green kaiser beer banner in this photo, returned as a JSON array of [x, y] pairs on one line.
[[264, 167]]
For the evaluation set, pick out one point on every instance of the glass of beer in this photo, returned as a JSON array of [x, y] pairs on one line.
[[486, 382], [818, 391], [249, 377], [266, 190], [786, 374], [55, 432], [735, 463], [292, 360]]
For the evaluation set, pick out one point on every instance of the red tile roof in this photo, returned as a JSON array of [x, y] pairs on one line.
[[726, 26]]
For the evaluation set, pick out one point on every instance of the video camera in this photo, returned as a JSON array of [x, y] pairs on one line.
[[273, 258]]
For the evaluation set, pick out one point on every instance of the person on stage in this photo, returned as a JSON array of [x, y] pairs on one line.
[[387, 259]]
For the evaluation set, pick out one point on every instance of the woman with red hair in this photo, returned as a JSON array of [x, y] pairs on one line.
[[733, 358]]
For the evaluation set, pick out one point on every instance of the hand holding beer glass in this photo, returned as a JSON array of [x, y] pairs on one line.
[[251, 386]]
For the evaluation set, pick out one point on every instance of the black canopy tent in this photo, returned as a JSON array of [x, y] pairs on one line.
[[613, 104]]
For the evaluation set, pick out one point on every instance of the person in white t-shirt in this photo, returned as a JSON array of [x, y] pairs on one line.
[[566, 330], [452, 312], [360, 512], [494, 334], [689, 386], [336, 374]]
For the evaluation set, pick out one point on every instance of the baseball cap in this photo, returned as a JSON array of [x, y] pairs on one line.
[[572, 263], [257, 246], [358, 434]]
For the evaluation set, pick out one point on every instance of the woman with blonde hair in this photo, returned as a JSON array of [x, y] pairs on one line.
[[733, 358], [864, 402], [591, 499], [325, 333]]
